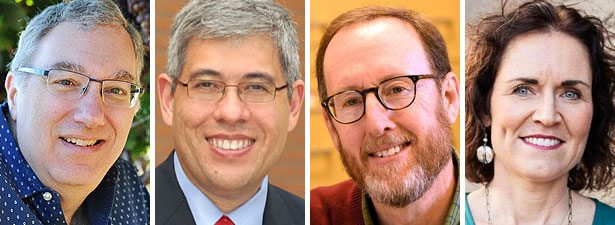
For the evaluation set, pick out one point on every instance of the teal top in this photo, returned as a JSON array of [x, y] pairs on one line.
[[604, 215]]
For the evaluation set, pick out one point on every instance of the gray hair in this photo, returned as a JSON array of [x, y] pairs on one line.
[[86, 14], [210, 19]]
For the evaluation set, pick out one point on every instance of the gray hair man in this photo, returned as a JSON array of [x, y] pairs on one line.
[[231, 94], [72, 92]]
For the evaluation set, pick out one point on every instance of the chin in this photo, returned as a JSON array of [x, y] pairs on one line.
[[77, 175], [543, 173]]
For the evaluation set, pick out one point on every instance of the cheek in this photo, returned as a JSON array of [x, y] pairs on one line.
[[579, 121], [350, 135], [271, 119], [506, 117], [121, 121], [190, 115]]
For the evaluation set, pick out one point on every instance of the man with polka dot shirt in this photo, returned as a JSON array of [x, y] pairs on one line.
[[72, 92]]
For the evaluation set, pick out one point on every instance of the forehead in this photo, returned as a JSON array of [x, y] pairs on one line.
[[362, 55], [553, 55], [101, 52], [232, 59]]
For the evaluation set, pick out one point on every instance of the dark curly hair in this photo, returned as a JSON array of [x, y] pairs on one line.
[[490, 38]]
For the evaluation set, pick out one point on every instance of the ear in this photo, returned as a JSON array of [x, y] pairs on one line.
[[166, 97], [332, 131], [11, 87], [450, 89], [486, 120], [295, 103]]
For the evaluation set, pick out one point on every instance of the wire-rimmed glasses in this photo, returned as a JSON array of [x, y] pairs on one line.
[[213, 90], [72, 85], [394, 94]]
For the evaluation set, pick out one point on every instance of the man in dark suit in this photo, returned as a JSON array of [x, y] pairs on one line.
[[232, 92]]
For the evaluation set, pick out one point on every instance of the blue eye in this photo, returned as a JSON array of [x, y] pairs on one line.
[[522, 90], [572, 94]]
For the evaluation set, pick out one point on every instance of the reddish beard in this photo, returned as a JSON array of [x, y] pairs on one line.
[[400, 183]]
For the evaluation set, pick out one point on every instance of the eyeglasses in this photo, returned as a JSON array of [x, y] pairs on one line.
[[394, 94], [212, 90], [72, 85]]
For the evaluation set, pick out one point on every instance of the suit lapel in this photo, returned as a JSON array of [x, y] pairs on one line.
[[276, 210], [171, 207]]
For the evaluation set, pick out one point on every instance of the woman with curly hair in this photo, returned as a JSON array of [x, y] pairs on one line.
[[540, 117]]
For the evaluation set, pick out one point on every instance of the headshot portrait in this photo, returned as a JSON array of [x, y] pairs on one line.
[[72, 89], [388, 98], [539, 113], [230, 94]]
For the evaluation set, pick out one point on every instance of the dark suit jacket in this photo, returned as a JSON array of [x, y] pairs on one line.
[[172, 208]]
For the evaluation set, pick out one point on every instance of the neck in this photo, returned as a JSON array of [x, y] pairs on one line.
[[226, 199], [71, 199], [229, 202], [517, 200], [431, 208]]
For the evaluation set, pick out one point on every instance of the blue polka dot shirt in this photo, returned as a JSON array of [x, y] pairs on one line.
[[120, 198]]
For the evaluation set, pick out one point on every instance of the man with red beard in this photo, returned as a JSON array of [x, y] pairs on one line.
[[387, 89]]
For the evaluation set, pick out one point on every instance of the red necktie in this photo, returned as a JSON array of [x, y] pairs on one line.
[[224, 220]]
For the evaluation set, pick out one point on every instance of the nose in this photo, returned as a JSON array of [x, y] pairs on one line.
[[231, 109], [546, 111], [377, 118], [90, 108]]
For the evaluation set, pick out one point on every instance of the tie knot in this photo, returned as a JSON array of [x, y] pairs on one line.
[[224, 220]]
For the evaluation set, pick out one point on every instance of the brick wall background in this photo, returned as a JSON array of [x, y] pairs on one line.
[[289, 172]]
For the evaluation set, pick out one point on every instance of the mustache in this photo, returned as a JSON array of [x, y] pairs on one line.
[[391, 138]]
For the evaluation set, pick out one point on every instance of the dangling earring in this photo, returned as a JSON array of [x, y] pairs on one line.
[[484, 152]]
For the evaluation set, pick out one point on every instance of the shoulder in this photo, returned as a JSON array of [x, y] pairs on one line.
[[293, 203], [129, 181], [337, 192], [468, 214], [603, 214], [130, 194], [290, 199], [336, 204], [283, 207], [165, 170]]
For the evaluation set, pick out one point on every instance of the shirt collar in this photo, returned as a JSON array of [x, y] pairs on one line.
[[205, 211], [452, 216], [24, 178]]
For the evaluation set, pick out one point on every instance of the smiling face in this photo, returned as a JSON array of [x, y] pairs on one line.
[[227, 146], [393, 154], [541, 106], [68, 141]]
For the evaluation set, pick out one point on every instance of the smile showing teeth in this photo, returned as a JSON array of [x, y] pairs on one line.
[[230, 144], [547, 142], [80, 142], [388, 152]]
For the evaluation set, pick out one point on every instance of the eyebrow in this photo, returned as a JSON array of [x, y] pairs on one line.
[[64, 65], [566, 83], [260, 75], [214, 73], [119, 75], [570, 83], [524, 80]]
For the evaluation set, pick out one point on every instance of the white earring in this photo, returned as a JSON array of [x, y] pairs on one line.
[[484, 152]]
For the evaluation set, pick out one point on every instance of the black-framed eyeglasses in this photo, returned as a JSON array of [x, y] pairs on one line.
[[213, 90], [394, 94], [72, 85]]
